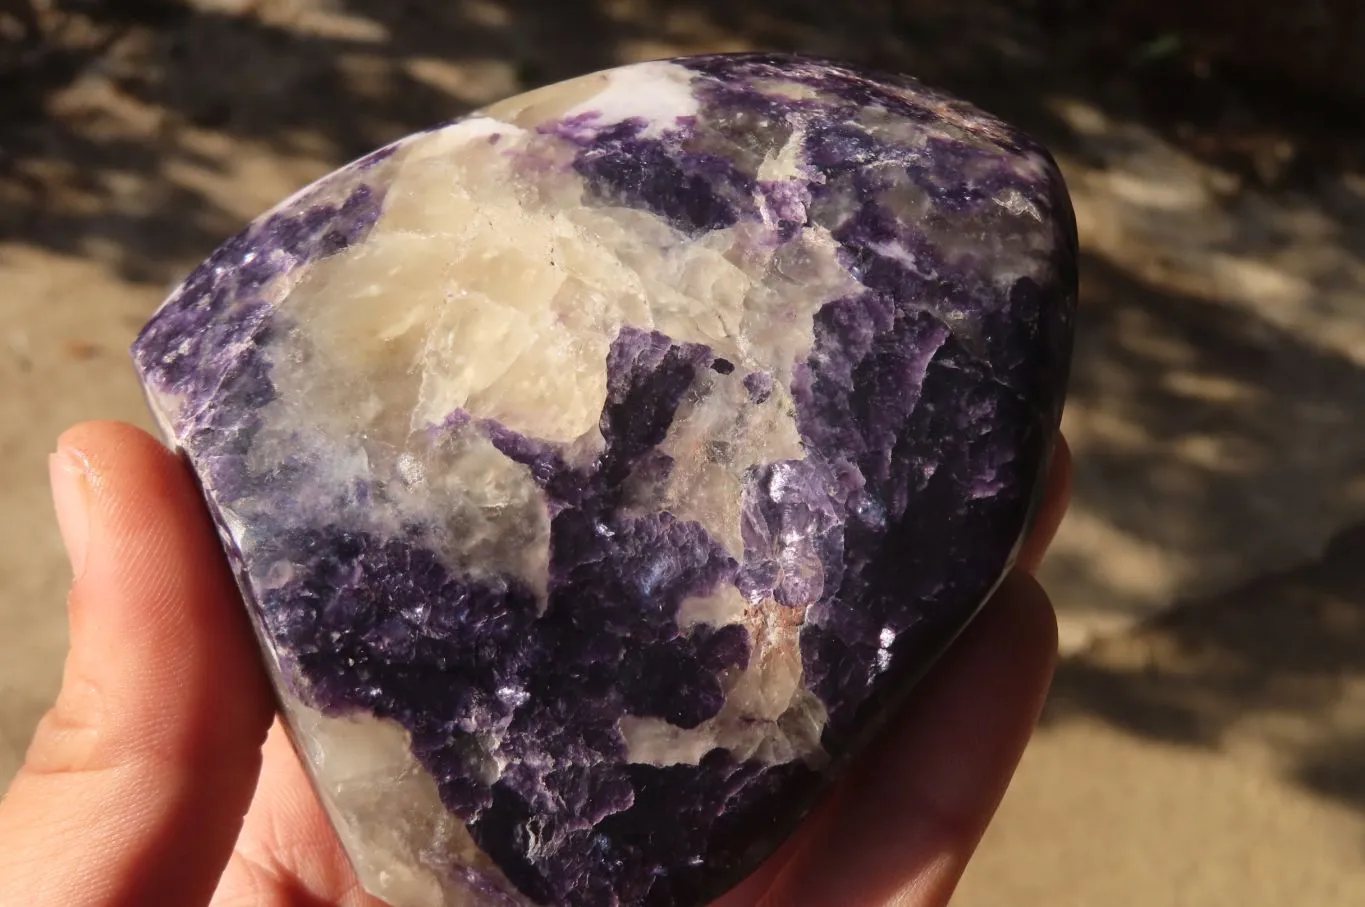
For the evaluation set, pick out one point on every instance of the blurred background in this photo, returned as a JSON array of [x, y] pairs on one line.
[[1205, 743]]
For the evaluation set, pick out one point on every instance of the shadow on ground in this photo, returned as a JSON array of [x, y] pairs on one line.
[[1278, 663], [110, 106], [292, 77]]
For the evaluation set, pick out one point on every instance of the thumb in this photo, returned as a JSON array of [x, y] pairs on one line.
[[136, 781]]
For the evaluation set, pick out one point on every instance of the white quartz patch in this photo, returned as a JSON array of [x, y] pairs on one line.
[[488, 287], [387, 812], [715, 438], [769, 716], [658, 92], [347, 387]]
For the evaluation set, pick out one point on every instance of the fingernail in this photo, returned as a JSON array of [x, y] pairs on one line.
[[69, 473]]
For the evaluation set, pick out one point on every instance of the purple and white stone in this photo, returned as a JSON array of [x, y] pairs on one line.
[[601, 468]]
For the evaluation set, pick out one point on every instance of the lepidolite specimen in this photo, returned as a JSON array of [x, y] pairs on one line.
[[599, 469]]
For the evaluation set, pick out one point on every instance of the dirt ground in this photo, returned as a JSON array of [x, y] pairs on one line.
[[1205, 743]]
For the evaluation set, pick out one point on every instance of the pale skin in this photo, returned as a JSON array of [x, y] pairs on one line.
[[160, 776]]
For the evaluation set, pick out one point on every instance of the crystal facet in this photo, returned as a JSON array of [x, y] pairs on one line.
[[600, 469]]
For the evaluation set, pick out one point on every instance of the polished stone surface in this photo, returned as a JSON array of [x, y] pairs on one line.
[[601, 467]]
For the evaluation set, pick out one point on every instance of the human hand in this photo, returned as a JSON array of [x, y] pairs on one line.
[[158, 777]]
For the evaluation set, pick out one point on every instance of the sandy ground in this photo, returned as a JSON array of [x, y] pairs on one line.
[[1205, 744]]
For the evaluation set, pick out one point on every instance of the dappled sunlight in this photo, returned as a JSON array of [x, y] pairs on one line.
[[1211, 446]]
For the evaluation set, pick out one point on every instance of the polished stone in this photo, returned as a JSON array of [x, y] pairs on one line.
[[601, 467]]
